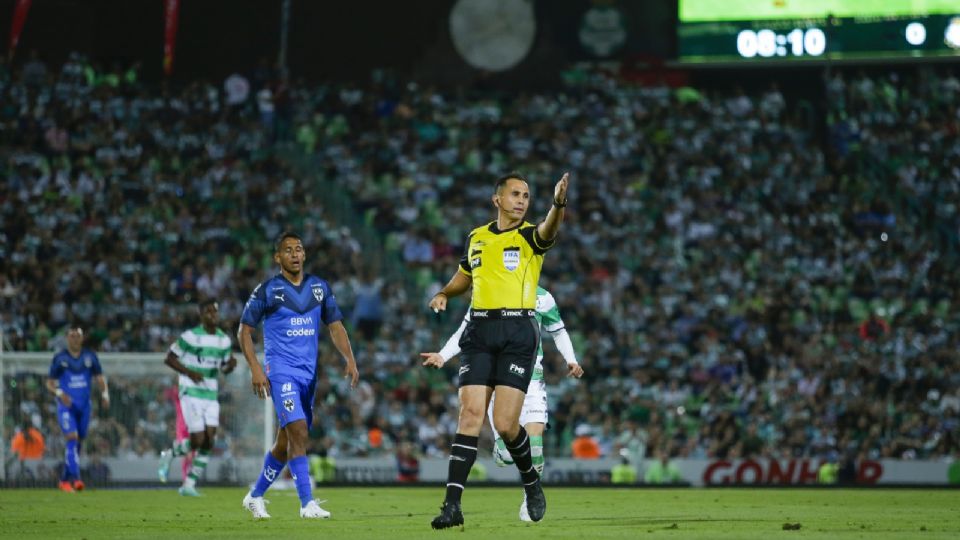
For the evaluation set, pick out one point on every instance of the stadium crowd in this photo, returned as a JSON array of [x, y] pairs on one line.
[[742, 274]]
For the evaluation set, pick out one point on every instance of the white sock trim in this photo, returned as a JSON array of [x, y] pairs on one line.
[[517, 447], [455, 485], [474, 448]]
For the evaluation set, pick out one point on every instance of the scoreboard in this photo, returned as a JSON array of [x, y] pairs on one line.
[[758, 30]]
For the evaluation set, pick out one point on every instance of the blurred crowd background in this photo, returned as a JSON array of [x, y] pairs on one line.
[[743, 271]]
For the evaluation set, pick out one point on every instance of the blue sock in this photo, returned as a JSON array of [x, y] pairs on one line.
[[72, 460], [271, 470], [300, 470]]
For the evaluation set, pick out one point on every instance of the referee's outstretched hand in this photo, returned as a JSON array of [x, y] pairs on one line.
[[560, 190], [438, 303], [432, 359]]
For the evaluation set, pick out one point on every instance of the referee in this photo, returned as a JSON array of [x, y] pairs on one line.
[[499, 346]]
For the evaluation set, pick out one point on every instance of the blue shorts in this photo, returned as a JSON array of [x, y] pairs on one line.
[[74, 419], [293, 398]]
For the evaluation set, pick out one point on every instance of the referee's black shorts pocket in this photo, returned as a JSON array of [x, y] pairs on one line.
[[477, 363], [466, 337]]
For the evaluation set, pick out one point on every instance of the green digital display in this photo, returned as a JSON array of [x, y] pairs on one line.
[[757, 30]]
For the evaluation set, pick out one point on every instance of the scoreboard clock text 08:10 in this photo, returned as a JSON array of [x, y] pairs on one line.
[[768, 44]]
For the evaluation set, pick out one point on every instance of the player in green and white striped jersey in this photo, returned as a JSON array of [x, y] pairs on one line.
[[198, 355], [533, 416]]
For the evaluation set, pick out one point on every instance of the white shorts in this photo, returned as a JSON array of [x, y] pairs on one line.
[[534, 405], [199, 414]]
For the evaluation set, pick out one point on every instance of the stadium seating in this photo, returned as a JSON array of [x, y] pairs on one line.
[[742, 274]]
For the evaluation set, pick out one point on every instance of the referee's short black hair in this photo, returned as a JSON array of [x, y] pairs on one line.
[[283, 236], [206, 302], [502, 181]]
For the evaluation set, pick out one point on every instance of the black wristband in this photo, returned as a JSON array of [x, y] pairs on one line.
[[560, 205]]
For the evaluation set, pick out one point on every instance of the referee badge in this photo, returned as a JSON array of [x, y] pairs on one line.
[[511, 258]]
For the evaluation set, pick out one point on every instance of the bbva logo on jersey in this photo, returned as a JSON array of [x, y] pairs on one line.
[[317, 292], [511, 258]]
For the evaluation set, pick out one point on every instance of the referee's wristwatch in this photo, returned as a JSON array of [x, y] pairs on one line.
[[559, 204]]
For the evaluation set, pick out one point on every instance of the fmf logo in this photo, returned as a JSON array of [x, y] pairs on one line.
[[515, 369]]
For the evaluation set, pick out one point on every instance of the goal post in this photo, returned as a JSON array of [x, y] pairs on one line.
[[141, 420]]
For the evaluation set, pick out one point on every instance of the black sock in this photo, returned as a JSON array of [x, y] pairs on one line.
[[520, 451], [463, 453]]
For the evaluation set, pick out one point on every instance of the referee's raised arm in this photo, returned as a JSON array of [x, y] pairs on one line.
[[551, 224]]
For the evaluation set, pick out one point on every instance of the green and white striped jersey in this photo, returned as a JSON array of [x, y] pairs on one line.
[[202, 352], [548, 315]]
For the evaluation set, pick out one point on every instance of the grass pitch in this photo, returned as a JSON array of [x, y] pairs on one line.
[[405, 513]]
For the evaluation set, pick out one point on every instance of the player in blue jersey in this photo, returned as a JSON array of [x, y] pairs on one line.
[[70, 374], [291, 305]]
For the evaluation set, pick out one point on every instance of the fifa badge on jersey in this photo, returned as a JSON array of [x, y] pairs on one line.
[[511, 258], [318, 292], [288, 405]]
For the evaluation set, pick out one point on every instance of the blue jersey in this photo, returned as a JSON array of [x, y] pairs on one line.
[[291, 318], [74, 374]]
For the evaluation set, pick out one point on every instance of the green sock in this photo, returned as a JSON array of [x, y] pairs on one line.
[[536, 452], [181, 448], [196, 470]]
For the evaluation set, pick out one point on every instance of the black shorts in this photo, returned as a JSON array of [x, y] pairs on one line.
[[499, 352]]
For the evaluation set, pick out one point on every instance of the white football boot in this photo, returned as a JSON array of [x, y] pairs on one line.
[[257, 506], [524, 514], [313, 510]]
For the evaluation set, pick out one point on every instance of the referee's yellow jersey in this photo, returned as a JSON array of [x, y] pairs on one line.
[[505, 265]]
